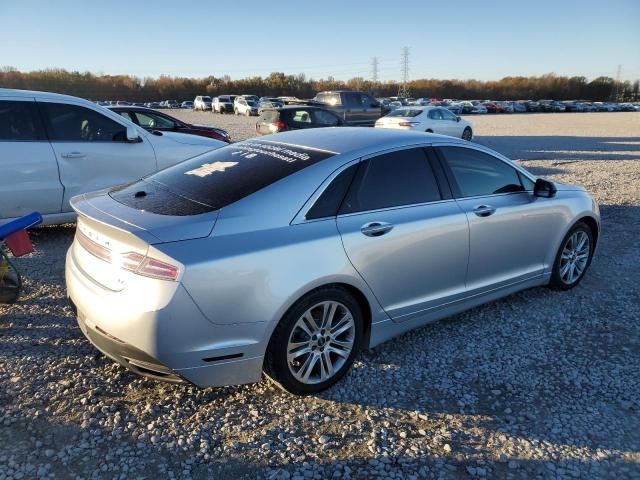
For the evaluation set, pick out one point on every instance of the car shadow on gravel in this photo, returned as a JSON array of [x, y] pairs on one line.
[[563, 148]]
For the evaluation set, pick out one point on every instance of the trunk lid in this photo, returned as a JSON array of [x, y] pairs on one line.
[[128, 212]]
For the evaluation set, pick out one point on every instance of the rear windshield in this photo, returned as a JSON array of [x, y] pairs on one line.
[[206, 99], [216, 179], [405, 112], [269, 116], [224, 99]]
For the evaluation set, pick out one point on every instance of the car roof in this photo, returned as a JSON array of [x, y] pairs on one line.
[[11, 92], [356, 139]]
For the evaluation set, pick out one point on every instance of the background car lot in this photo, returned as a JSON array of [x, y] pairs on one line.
[[540, 383]]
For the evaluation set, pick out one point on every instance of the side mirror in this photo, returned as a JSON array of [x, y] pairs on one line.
[[544, 188], [457, 118], [132, 135]]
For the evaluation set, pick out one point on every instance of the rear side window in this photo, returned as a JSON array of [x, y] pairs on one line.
[[392, 180], [72, 123], [323, 117], [301, 116], [216, 179], [478, 173], [20, 122], [329, 202]]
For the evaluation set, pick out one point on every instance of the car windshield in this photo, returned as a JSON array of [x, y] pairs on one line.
[[224, 99], [405, 112], [206, 99], [216, 179], [251, 103]]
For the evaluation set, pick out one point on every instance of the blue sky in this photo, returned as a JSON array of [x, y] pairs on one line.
[[447, 39]]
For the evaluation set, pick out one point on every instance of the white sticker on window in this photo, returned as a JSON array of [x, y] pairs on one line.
[[209, 168]]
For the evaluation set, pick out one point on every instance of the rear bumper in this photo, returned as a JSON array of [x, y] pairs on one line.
[[175, 343]]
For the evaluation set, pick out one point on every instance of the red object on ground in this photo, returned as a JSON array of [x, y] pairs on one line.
[[19, 243]]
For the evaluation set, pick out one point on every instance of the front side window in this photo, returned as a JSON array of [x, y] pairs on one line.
[[151, 120], [478, 173], [73, 123], [447, 115], [325, 118], [392, 180], [20, 121]]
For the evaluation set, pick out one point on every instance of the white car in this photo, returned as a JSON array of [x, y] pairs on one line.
[[202, 102], [246, 107], [427, 119], [53, 147]]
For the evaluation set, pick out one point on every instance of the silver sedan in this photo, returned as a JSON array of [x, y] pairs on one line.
[[290, 253]]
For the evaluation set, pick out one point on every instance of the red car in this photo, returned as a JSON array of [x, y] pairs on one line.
[[493, 107], [153, 120]]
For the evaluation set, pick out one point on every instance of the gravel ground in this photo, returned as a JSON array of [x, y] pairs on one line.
[[541, 384]]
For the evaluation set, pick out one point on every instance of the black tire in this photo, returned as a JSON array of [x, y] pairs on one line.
[[467, 134], [276, 365], [557, 282]]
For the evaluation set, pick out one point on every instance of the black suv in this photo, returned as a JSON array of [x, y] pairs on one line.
[[295, 117]]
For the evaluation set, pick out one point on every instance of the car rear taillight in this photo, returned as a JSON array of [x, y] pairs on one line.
[[130, 261], [408, 124], [279, 125], [94, 248], [149, 267]]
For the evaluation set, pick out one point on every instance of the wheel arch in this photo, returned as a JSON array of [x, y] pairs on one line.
[[354, 291]]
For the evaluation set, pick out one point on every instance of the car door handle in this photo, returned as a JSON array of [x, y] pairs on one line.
[[73, 155], [484, 210], [376, 229]]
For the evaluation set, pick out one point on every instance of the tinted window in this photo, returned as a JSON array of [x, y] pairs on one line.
[[391, 180], [20, 121], [218, 178], [478, 173], [329, 202], [435, 114], [325, 118], [79, 124], [353, 99], [405, 112]]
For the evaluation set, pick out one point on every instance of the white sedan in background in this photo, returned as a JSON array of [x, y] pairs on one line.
[[427, 119], [54, 146]]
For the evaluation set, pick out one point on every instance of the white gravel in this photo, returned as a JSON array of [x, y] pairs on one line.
[[541, 384]]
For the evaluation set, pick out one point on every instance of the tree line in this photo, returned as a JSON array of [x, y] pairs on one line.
[[135, 89]]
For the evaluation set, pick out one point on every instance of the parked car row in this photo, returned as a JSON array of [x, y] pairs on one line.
[[520, 106]]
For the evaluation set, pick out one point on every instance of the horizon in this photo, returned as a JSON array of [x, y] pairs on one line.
[[461, 40]]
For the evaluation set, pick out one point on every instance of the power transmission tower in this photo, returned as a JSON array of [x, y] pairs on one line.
[[374, 69], [617, 84], [403, 91]]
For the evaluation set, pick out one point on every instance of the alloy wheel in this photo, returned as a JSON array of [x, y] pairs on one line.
[[574, 257], [320, 342]]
